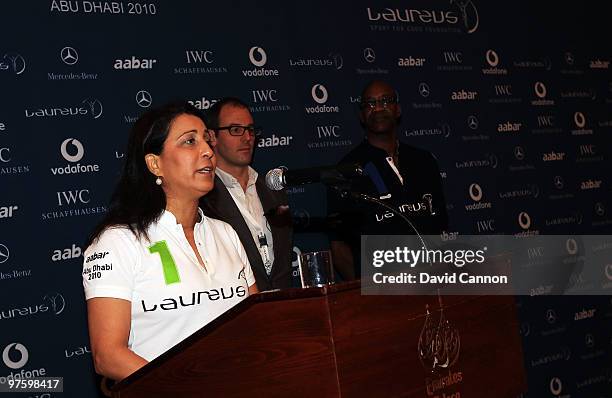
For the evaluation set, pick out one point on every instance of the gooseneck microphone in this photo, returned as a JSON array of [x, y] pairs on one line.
[[281, 177]]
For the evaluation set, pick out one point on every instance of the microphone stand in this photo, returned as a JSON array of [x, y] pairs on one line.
[[345, 193]]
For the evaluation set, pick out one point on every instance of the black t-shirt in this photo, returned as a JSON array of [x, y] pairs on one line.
[[419, 197]]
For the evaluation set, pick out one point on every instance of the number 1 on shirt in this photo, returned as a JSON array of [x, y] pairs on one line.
[[169, 266]]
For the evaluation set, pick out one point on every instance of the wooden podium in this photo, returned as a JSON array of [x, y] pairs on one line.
[[334, 342]]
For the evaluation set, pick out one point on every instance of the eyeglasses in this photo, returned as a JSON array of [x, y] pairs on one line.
[[383, 101], [238, 131]]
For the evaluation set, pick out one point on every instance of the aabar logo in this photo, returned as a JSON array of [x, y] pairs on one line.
[[134, 63], [203, 103], [8, 211], [509, 127], [590, 184], [553, 156], [319, 93], [463, 95], [258, 56], [274, 141], [410, 61], [67, 253]]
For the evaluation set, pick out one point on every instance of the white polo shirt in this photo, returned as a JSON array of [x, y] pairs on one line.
[[172, 295]]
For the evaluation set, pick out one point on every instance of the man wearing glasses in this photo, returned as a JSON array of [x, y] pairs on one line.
[[400, 175], [259, 216]]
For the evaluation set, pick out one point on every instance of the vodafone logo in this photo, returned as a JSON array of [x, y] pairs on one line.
[[579, 120], [571, 246], [540, 89], [319, 93], [73, 142], [475, 192], [261, 54], [555, 386], [7, 358], [524, 220], [492, 58]]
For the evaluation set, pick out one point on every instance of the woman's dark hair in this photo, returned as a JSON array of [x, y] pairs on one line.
[[137, 201]]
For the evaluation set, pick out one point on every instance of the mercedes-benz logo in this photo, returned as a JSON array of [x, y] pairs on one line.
[[144, 99], [369, 55], [69, 55], [472, 122], [551, 316], [600, 209], [4, 253], [569, 58], [589, 340], [519, 153], [424, 89], [558, 181]]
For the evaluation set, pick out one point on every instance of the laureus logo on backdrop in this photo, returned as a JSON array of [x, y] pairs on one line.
[[72, 151], [88, 107], [53, 304], [12, 63], [332, 61], [259, 58], [460, 16], [320, 95]]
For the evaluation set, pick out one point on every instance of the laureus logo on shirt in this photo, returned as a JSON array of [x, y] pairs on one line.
[[195, 298]]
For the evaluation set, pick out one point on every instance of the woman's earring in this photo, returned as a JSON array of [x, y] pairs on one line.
[[158, 181]]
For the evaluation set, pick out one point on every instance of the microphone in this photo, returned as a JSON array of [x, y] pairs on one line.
[[281, 177]]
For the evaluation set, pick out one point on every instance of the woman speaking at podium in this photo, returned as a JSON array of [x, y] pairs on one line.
[[156, 269]]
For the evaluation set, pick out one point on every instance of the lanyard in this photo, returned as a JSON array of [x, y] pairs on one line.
[[262, 241], [397, 173]]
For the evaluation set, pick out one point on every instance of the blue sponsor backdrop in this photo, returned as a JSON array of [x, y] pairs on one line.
[[513, 98]]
